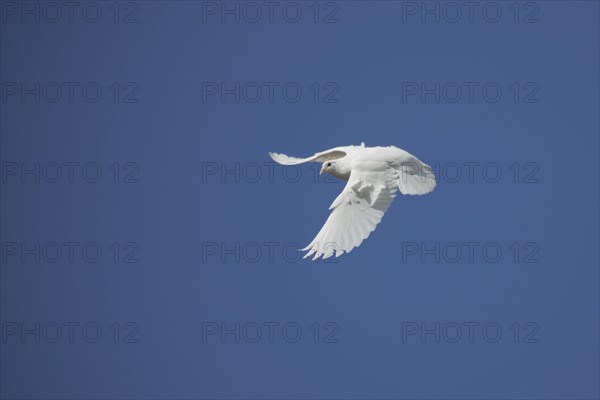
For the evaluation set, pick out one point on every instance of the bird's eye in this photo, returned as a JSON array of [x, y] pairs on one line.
[[329, 164]]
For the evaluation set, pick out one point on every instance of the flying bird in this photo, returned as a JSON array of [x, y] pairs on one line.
[[374, 175]]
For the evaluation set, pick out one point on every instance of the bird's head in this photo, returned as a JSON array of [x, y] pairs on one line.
[[329, 166], [337, 168]]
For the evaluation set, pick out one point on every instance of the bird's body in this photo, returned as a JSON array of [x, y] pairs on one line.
[[374, 175]]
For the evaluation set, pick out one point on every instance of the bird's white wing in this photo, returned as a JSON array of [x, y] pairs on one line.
[[356, 212], [415, 177], [326, 155]]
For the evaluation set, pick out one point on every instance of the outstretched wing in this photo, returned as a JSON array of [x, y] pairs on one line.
[[415, 177], [326, 155], [356, 212]]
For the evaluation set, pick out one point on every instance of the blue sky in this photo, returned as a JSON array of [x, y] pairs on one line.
[[147, 156]]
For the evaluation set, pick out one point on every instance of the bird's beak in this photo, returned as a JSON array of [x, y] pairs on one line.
[[322, 169]]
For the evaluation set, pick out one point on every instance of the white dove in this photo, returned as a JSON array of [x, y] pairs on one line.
[[374, 174]]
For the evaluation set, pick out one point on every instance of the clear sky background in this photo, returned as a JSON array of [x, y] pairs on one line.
[[486, 288]]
